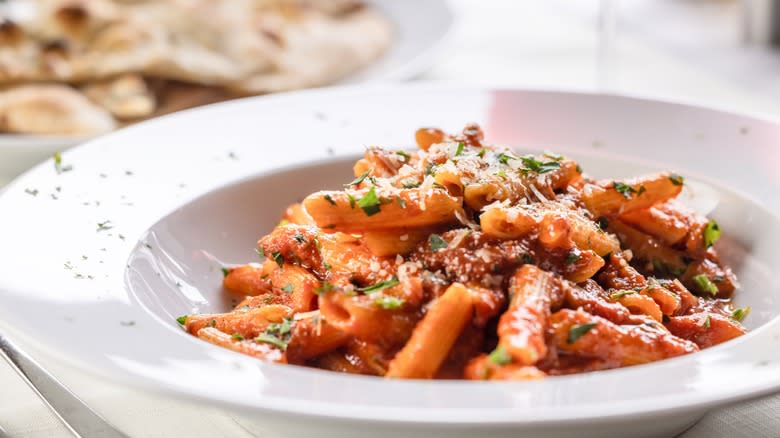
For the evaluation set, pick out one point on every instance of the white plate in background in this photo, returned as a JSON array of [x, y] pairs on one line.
[[187, 192], [421, 27]]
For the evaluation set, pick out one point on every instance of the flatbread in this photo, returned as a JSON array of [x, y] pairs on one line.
[[51, 109], [110, 50]]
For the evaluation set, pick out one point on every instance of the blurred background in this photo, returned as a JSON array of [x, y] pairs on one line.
[[721, 53]]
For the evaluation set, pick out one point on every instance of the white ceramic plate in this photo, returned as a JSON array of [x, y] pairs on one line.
[[421, 31], [190, 191]]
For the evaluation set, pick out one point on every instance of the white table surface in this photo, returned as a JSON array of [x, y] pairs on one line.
[[527, 43]]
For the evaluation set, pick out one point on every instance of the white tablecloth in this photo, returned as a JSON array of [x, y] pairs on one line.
[[511, 42]]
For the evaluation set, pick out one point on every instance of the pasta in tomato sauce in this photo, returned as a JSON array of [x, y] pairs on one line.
[[465, 260]]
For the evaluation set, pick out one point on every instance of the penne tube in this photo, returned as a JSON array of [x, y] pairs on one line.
[[705, 329], [521, 330], [312, 337], [507, 222], [259, 350], [434, 335], [354, 211], [248, 323], [576, 332], [247, 280], [392, 241], [656, 222], [364, 317], [296, 214], [618, 197]]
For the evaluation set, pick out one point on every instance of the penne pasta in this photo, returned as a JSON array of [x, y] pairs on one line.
[[465, 260], [433, 337]]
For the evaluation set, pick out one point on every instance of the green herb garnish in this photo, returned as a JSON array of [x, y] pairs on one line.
[[329, 199], [459, 149], [260, 252], [410, 184], [578, 330], [603, 223], [369, 203], [325, 288], [389, 303], [352, 201], [407, 156], [277, 334], [401, 201], [278, 258], [573, 257], [624, 189], [237, 337], [182, 319], [499, 356], [705, 285], [504, 158], [379, 286], [225, 272], [57, 157], [436, 242], [106, 225], [711, 233], [676, 179], [288, 288], [706, 323], [740, 314], [534, 165], [620, 294], [356, 182]]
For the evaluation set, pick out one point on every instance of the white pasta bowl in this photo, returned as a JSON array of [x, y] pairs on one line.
[[98, 261]]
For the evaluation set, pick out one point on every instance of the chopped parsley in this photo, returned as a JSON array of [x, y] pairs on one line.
[[534, 165], [526, 258], [182, 319], [501, 173], [401, 201], [352, 201], [327, 266], [436, 242], [578, 330], [481, 153], [706, 321], [300, 238], [620, 294], [573, 257], [325, 288], [410, 184], [624, 189], [499, 356], [329, 199], [369, 202], [642, 189], [277, 334], [553, 156], [288, 288], [459, 149], [389, 303], [260, 252], [676, 179], [603, 223], [711, 233], [278, 258], [379, 286], [504, 158], [225, 271], [356, 182], [705, 285], [430, 169], [407, 156], [740, 314], [57, 157], [105, 225], [579, 168], [32, 192], [237, 337]]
